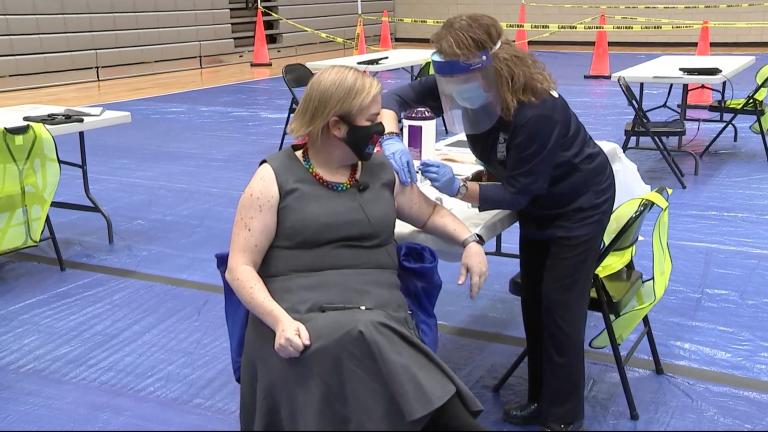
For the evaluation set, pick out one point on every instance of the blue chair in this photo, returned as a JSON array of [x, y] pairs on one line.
[[420, 283], [236, 315]]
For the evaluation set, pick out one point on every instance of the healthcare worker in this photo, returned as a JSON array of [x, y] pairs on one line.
[[546, 168]]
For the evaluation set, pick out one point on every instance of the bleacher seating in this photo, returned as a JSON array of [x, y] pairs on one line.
[[44, 42]]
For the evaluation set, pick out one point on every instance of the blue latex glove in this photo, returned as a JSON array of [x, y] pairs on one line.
[[400, 158], [441, 175]]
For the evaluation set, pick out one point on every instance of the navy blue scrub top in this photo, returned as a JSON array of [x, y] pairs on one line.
[[549, 169]]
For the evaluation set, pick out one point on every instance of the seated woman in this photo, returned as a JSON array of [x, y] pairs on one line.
[[330, 344]]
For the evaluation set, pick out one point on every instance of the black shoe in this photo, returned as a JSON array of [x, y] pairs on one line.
[[522, 415], [564, 427]]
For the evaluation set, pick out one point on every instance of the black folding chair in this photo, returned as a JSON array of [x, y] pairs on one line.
[[611, 296], [52, 237], [676, 109], [642, 126], [296, 76], [751, 105]]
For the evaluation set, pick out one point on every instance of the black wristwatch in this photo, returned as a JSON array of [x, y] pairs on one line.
[[463, 188], [473, 238]]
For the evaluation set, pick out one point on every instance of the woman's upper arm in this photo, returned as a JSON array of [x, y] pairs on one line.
[[411, 203], [255, 220]]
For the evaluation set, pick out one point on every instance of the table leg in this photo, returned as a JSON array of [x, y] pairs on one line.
[[642, 91], [683, 112], [410, 72], [498, 252], [722, 102], [95, 207], [683, 116]]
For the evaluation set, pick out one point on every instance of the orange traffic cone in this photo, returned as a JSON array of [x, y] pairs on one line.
[[260, 53], [701, 95], [600, 67], [521, 35], [360, 38], [385, 41]]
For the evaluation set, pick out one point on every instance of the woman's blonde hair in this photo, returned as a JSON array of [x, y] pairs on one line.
[[339, 91], [519, 76]]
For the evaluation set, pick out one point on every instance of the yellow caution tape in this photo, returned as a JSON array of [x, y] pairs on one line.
[[595, 27], [553, 28], [315, 32], [326, 36], [734, 23], [647, 19], [628, 27], [543, 35], [658, 6], [699, 22], [589, 27], [408, 20]]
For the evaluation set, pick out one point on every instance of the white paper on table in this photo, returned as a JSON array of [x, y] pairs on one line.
[[84, 111]]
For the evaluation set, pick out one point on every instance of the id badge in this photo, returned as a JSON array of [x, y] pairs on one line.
[[501, 146]]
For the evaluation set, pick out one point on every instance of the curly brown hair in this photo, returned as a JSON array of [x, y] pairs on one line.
[[519, 76]]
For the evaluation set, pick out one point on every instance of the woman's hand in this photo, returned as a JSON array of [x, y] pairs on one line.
[[291, 337], [400, 158], [474, 262], [441, 175]]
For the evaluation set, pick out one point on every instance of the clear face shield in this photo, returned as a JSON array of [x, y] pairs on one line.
[[468, 92]]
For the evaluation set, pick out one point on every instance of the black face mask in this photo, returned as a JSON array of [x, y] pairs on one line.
[[362, 140]]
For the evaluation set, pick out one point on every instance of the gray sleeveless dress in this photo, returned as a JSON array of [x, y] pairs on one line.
[[365, 369]]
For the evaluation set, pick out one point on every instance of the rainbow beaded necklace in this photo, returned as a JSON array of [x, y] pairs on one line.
[[334, 186]]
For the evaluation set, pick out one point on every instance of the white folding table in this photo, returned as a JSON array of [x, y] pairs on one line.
[[666, 70], [13, 116], [492, 223], [395, 59], [489, 224]]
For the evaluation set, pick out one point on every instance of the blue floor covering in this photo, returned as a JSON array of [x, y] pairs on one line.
[[82, 349]]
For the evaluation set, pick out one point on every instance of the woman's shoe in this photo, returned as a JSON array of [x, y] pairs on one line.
[[522, 415]]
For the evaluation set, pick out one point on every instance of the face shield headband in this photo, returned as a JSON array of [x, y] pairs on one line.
[[468, 92], [449, 68]]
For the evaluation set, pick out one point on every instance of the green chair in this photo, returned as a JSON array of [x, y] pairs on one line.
[[751, 105], [29, 169], [425, 70], [619, 292]]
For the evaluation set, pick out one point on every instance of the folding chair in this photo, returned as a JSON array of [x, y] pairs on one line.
[[751, 105], [642, 126], [619, 292], [425, 71], [29, 176], [296, 76]]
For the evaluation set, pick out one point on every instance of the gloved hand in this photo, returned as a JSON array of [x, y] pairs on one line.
[[400, 158], [441, 176]]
